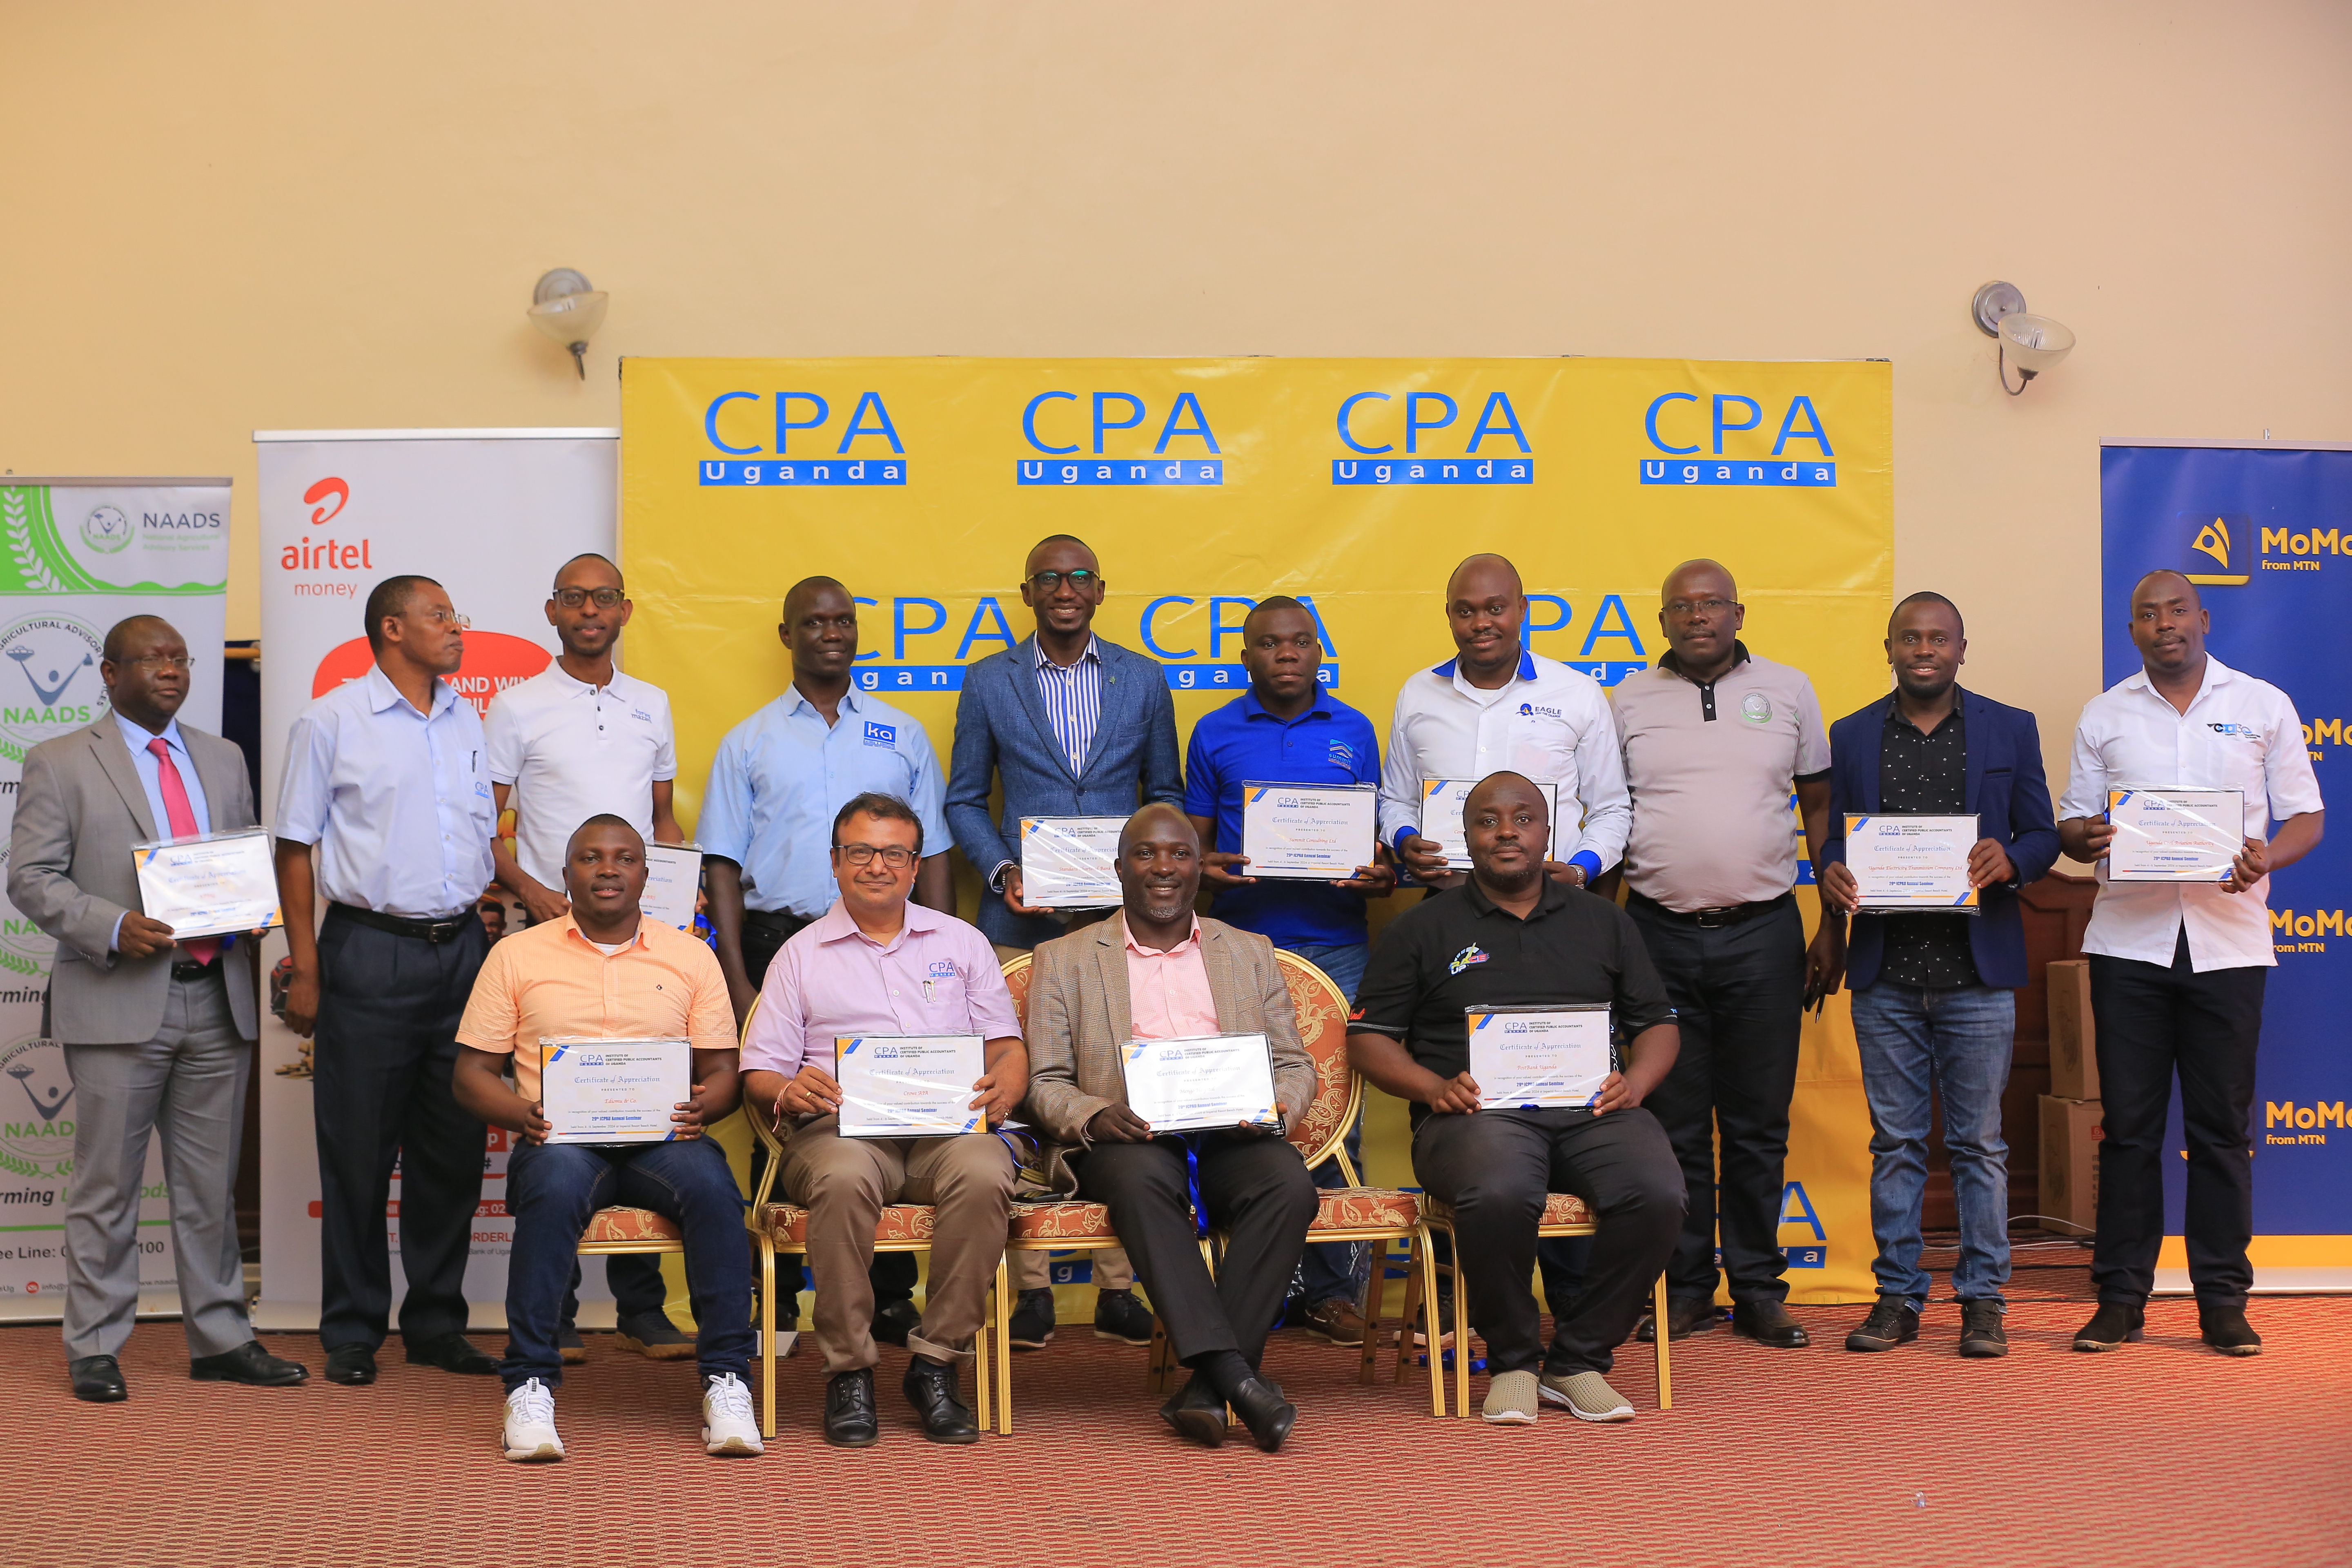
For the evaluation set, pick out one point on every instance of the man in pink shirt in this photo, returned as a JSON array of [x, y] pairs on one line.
[[876, 964], [1160, 971]]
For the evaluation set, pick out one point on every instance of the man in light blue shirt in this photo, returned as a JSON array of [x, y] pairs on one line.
[[387, 777]]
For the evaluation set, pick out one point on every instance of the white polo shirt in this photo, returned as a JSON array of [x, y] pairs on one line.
[[571, 751], [1550, 723], [2239, 733]]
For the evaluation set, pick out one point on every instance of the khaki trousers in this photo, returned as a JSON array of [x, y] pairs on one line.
[[844, 1183]]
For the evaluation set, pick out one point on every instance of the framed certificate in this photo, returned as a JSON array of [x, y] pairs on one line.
[[1070, 862], [612, 1091], [1201, 1083], [213, 884], [1915, 864], [1441, 817], [1534, 1058], [673, 877], [907, 1085], [2170, 833], [1317, 833]]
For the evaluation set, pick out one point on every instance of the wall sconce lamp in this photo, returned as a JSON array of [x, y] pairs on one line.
[[2035, 343], [566, 309]]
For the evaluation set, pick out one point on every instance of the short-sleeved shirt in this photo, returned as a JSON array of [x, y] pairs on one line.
[[1241, 742], [573, 751], [937, 977], [398, 802], [549, 982], [2239, 733], [1710, 767], [780, 775], [1460, 950]]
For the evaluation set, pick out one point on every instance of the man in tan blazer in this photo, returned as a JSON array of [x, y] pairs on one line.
[[1160, 971]]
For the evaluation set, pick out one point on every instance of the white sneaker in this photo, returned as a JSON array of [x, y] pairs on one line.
[[530, 1424], [727, 1427]]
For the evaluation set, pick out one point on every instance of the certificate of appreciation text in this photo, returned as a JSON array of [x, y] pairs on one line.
[[2174, 833], [213, 884], [1537, 1057], [612, 1091], [1309, 832], [1201, 1082], [1912, 863], [1070, 862], [907, 1085]]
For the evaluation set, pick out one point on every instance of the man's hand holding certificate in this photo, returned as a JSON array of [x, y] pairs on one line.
[[214, 884], [1202, 1083], [909, 1086], [1533, 1057], [615, 1091]]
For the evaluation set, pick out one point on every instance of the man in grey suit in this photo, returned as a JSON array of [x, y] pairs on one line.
[[1160, 971], [157, 1033], [1077, 727]]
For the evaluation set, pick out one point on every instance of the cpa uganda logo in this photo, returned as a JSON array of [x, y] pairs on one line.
[[106, 529], [36, 1136], [55, 687]]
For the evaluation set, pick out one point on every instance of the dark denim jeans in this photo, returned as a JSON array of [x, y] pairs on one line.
[[551, 1191], [1336, 1270], [1956, 1043]]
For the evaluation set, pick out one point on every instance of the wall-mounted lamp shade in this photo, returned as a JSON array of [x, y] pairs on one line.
[[567, 310], [2034, 344]]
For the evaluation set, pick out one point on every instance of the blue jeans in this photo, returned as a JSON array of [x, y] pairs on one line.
[[551, 1191], [1956, 1042], [1336, 1270]]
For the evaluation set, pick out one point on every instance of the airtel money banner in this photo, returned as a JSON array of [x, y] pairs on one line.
[[75, 556], [489, 514], [1204, 485]]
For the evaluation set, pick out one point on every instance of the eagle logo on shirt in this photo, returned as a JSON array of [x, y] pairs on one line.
[[1469, 956]]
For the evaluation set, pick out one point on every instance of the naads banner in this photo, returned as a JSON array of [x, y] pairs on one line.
[[1204, 485]]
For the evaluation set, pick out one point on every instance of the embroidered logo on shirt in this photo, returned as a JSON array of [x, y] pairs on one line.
[[641, 715], [1465, 958], [1756, 708], [1536, 710], [2247, 730], [943, 969], [1343, 754], [881, 734]]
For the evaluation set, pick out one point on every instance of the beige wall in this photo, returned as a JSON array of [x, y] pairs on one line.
[[228, 216]]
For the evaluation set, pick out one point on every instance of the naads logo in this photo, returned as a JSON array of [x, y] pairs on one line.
[[36, 1136], [55, 687], [107, 529]]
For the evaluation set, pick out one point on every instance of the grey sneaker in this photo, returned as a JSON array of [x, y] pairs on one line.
[[1512, 1401], [1587, 1396]]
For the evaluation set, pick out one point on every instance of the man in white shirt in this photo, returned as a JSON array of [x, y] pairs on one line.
[[578, 739], [2178, 969]]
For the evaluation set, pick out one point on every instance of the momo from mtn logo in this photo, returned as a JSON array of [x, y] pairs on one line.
[[36, 1124], [2216, 538], [54, 686], [106, 529]]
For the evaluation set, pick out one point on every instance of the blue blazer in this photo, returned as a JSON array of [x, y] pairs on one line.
[[1002, 728], [2006, 791]]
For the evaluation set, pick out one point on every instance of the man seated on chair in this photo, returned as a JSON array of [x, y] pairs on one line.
[[604, 972], [1160, 971], [1511, 936], [875, 964]]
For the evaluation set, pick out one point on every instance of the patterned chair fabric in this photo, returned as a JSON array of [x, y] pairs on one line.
[[1061, 1222], [787, 1224], [624, 1225], [1560, 1208], [1365, 1209]]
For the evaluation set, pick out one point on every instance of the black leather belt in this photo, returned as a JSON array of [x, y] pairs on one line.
[[1709, 919], [448, 930], [187, 970]]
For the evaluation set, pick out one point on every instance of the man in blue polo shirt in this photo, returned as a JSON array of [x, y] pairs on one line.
[[1287, 729]]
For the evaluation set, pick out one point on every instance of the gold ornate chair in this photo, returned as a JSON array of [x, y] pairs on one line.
[[779, 1227]]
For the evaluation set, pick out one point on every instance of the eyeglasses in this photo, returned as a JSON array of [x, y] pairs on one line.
[[437, 617], [897, 857], [1080, 579], [572, 598], [1681, 607], [153, 661]]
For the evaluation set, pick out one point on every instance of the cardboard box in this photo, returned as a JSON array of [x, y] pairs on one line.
[[2071, 1130], [2074, 1033]]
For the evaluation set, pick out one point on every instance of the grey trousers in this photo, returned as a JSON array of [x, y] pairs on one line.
[[187, 1083]]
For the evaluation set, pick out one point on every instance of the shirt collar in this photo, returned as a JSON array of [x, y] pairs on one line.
[[836, 924], [1554, 896], [384, 694], [136, 736], [1191, 940], [570, 926], [794, 699], [1527, 671], [1959, 710], [2216, 674], [1319, 709], [1668, 661], [574, 686], [1092, 650]]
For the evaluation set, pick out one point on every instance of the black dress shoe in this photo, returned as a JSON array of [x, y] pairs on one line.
[[1685, 1316], [1119, 1316], [98, 1379], [452, 1352], [352, 1366], [2226, 1329], [849, 1420], [1197, 1412], [248, 1363], [2113, 1326], [893, 1322], [930, 1388], [1269, 1417], [1768, 1323]]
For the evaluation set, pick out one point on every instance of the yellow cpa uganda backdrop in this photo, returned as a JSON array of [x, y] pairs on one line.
[[1203, 485]]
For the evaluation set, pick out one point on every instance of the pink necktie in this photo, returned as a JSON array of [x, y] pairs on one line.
[[204, 950]]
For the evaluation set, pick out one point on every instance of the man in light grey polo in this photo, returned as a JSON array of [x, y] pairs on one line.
[[1715, 739]]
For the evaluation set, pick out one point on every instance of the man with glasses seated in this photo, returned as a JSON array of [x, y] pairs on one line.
[[578, 739], [1074, 726], [878, 964]]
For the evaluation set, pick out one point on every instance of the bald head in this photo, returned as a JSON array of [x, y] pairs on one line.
[[1158, 873], [1507, 827], [1700, 612], [1484, 608], [797, 596], [1486, 570], [130, 629], [2165, 583], [1156, 820], [1698, 577]]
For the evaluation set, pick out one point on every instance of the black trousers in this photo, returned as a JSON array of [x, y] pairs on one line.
[[1738, 994], [1494, 1167], [387, 1045], [1254, 1189], [2156, 1021]]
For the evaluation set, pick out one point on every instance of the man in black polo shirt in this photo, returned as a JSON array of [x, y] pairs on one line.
[[1510, 936]]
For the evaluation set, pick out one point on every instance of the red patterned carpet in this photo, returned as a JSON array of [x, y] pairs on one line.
[[2161, 1453]]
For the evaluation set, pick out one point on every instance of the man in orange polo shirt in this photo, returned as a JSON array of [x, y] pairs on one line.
[[602, 971]]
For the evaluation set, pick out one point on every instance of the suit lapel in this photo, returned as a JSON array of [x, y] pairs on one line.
[[1973, 749], [1025, 688], [1110, 968], [114, 761], [1110, 689], [1217, 961], [1865, 750]]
